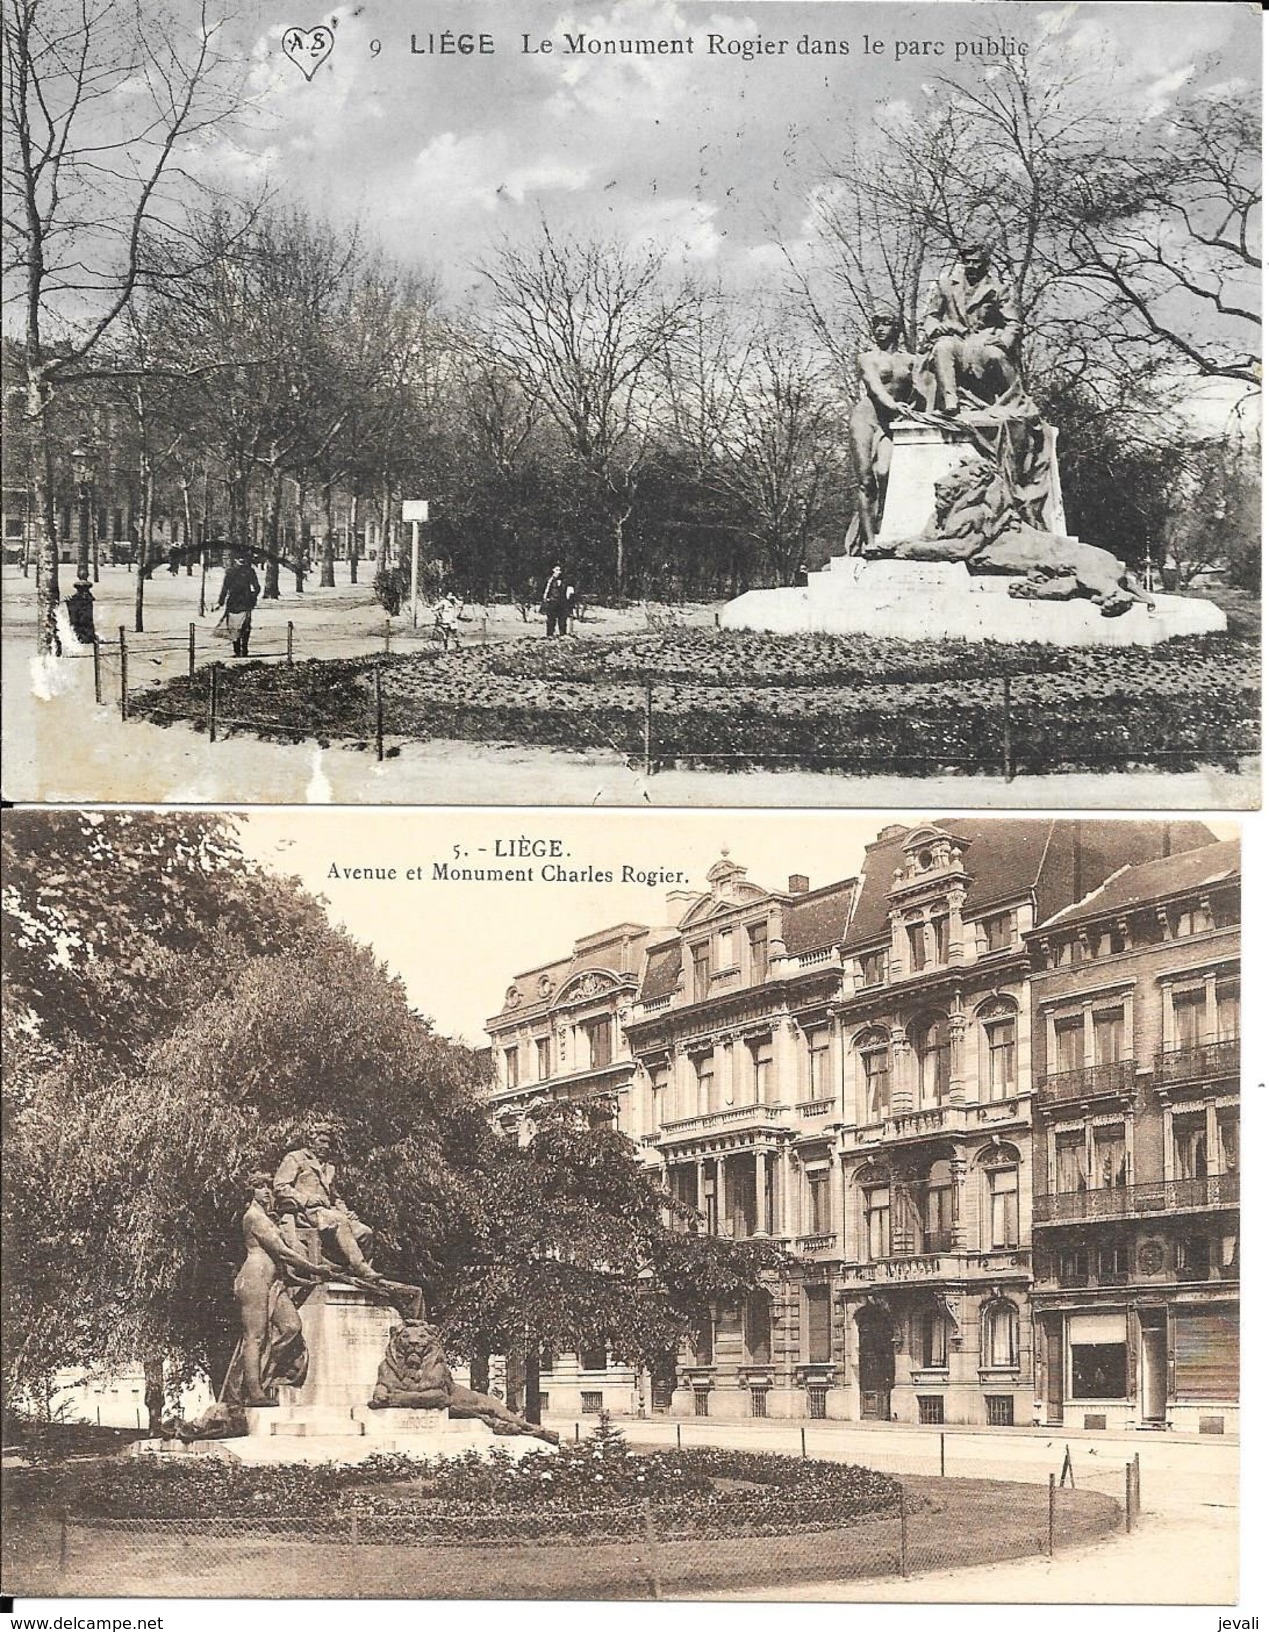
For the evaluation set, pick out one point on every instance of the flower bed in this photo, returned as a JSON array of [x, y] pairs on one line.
[[587, 1491], [737, 700]]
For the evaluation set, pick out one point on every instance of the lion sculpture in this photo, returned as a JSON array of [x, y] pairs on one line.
[[414, 1375]]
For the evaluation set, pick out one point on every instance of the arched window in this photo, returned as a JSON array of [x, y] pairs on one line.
[[932, 1048], [874, 1191], [999, 1164], [939, 1212], [998, 1050], [931, 1340], [999, 1348], [873, 1049]]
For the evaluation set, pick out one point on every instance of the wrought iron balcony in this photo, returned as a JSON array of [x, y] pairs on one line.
[[1202, 1062], [1133, 1200], [1088, 1082]]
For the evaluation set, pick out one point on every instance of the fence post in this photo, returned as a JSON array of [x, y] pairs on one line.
[[379, 710], [647, 728], [123, 673], [942, 1455], [1128, 1497], [1136, 1484], [804, 1444], [577, 1433], [903, 1533], [290, 644], [63, 1545], [353, 1537], [1008, 735], [654, 1563], [1052, 1512], [387, 634], [678, 1435], [191, 650], [97, 670], [213, 700]]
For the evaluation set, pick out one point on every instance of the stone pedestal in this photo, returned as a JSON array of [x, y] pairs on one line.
[[941, 600], [330, 1418], [920, 458]]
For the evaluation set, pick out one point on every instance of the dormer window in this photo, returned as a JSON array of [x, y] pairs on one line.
[[872, 966], [998, 932], [758, 952], [927, 942], [700, 972]]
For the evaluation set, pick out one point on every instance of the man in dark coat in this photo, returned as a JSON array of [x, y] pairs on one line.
[[238, 595], [557, 602]]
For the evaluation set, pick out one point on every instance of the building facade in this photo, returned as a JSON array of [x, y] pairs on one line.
[[863, 1072], [1136, 1006]]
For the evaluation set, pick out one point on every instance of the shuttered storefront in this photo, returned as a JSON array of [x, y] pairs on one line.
[[1206, 1353]]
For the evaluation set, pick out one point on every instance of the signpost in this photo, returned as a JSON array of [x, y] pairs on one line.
[[415, 512]]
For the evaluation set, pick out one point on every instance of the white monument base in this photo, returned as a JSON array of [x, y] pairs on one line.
[[330, 1419], [941, 600]]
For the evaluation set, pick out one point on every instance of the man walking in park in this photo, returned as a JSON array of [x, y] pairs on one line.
[[557, 601], [238, 595]]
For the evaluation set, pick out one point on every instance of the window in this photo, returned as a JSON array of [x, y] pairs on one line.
[[757, 952], [757, 1402], [1000, 1336], [1112, 1263], [940, 1195], [819, 1334], [703, 1346], [917, 948], [817, 1402], [1072, 1160], [1110, 1157], [1072, 1266], [726, 949], [592, 1402], [1189, 1140], [1194, 1258], [512, 1057], [544, 1402], [599, 1036], [700, 1402], [704, 1066], [932, 1045], [877, 1222], [544, 1058], [874, 1052], [998, 932], [761, 1053], [938, 928], [1227, 1007], [1002, 1198], [1000, 1051], [1227, 1130], [1099, 1356], [758, 1329], [817, 1201], [932, 1340], [873, 968], [659, 1082], [930, 1408], [1068, 1037], [999, 1410], [1188, 1009], [1108, 1036], [700, 972], [818, 1083]]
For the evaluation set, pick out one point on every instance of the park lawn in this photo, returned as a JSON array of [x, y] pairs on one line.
[[951, 1523], [731, 699]]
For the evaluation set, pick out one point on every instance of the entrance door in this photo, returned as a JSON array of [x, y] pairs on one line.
[[1154, 1366], [876, 1366], [1054, 1370]]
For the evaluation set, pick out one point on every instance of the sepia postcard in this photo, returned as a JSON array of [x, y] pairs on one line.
[[652, 404], [614, 1205]]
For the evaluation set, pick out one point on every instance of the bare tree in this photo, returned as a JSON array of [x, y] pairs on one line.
[[583, 326], [99, 98]]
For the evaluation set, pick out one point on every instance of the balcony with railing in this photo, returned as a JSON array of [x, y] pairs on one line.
[[940, 1260], [1136, 1200], [1199, 1062], [809, 1108], [734, 1119], [809, 1245], [1114, 1079]]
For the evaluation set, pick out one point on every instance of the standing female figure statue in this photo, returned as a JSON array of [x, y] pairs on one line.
[[273, 1350]]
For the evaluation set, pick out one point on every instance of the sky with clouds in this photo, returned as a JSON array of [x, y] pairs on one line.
[[441, 155]]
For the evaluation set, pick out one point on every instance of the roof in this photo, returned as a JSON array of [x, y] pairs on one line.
[[617, 950], [1054, 861], [1134, 886], [818, 918], [661, 974]]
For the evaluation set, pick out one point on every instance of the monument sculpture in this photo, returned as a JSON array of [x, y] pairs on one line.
[[336, 1361], [959, 497]]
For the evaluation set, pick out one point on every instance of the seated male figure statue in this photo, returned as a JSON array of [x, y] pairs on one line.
[[304, 1185]]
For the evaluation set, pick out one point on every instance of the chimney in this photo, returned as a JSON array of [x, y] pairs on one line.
[[799, 883]]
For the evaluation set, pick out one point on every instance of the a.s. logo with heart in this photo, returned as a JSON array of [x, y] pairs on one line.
[[308, 48]]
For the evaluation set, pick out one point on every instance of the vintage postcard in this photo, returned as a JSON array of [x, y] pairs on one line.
[[412, 1205], [661, 403]]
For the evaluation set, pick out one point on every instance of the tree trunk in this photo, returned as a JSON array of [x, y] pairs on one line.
[[273, 525], [155, 1393], [47, 589], [478, 1366], [533, 1383], [143, 539], [187, 515], [353, 548], [327, 580], [385, 525]]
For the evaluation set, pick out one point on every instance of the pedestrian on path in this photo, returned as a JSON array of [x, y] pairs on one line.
[[239, 593]]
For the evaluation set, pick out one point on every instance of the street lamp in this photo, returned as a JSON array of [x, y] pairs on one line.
[[82, 470]]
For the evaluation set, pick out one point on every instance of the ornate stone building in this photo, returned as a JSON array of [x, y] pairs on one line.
[[849, 1070], [1135, 1002]]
